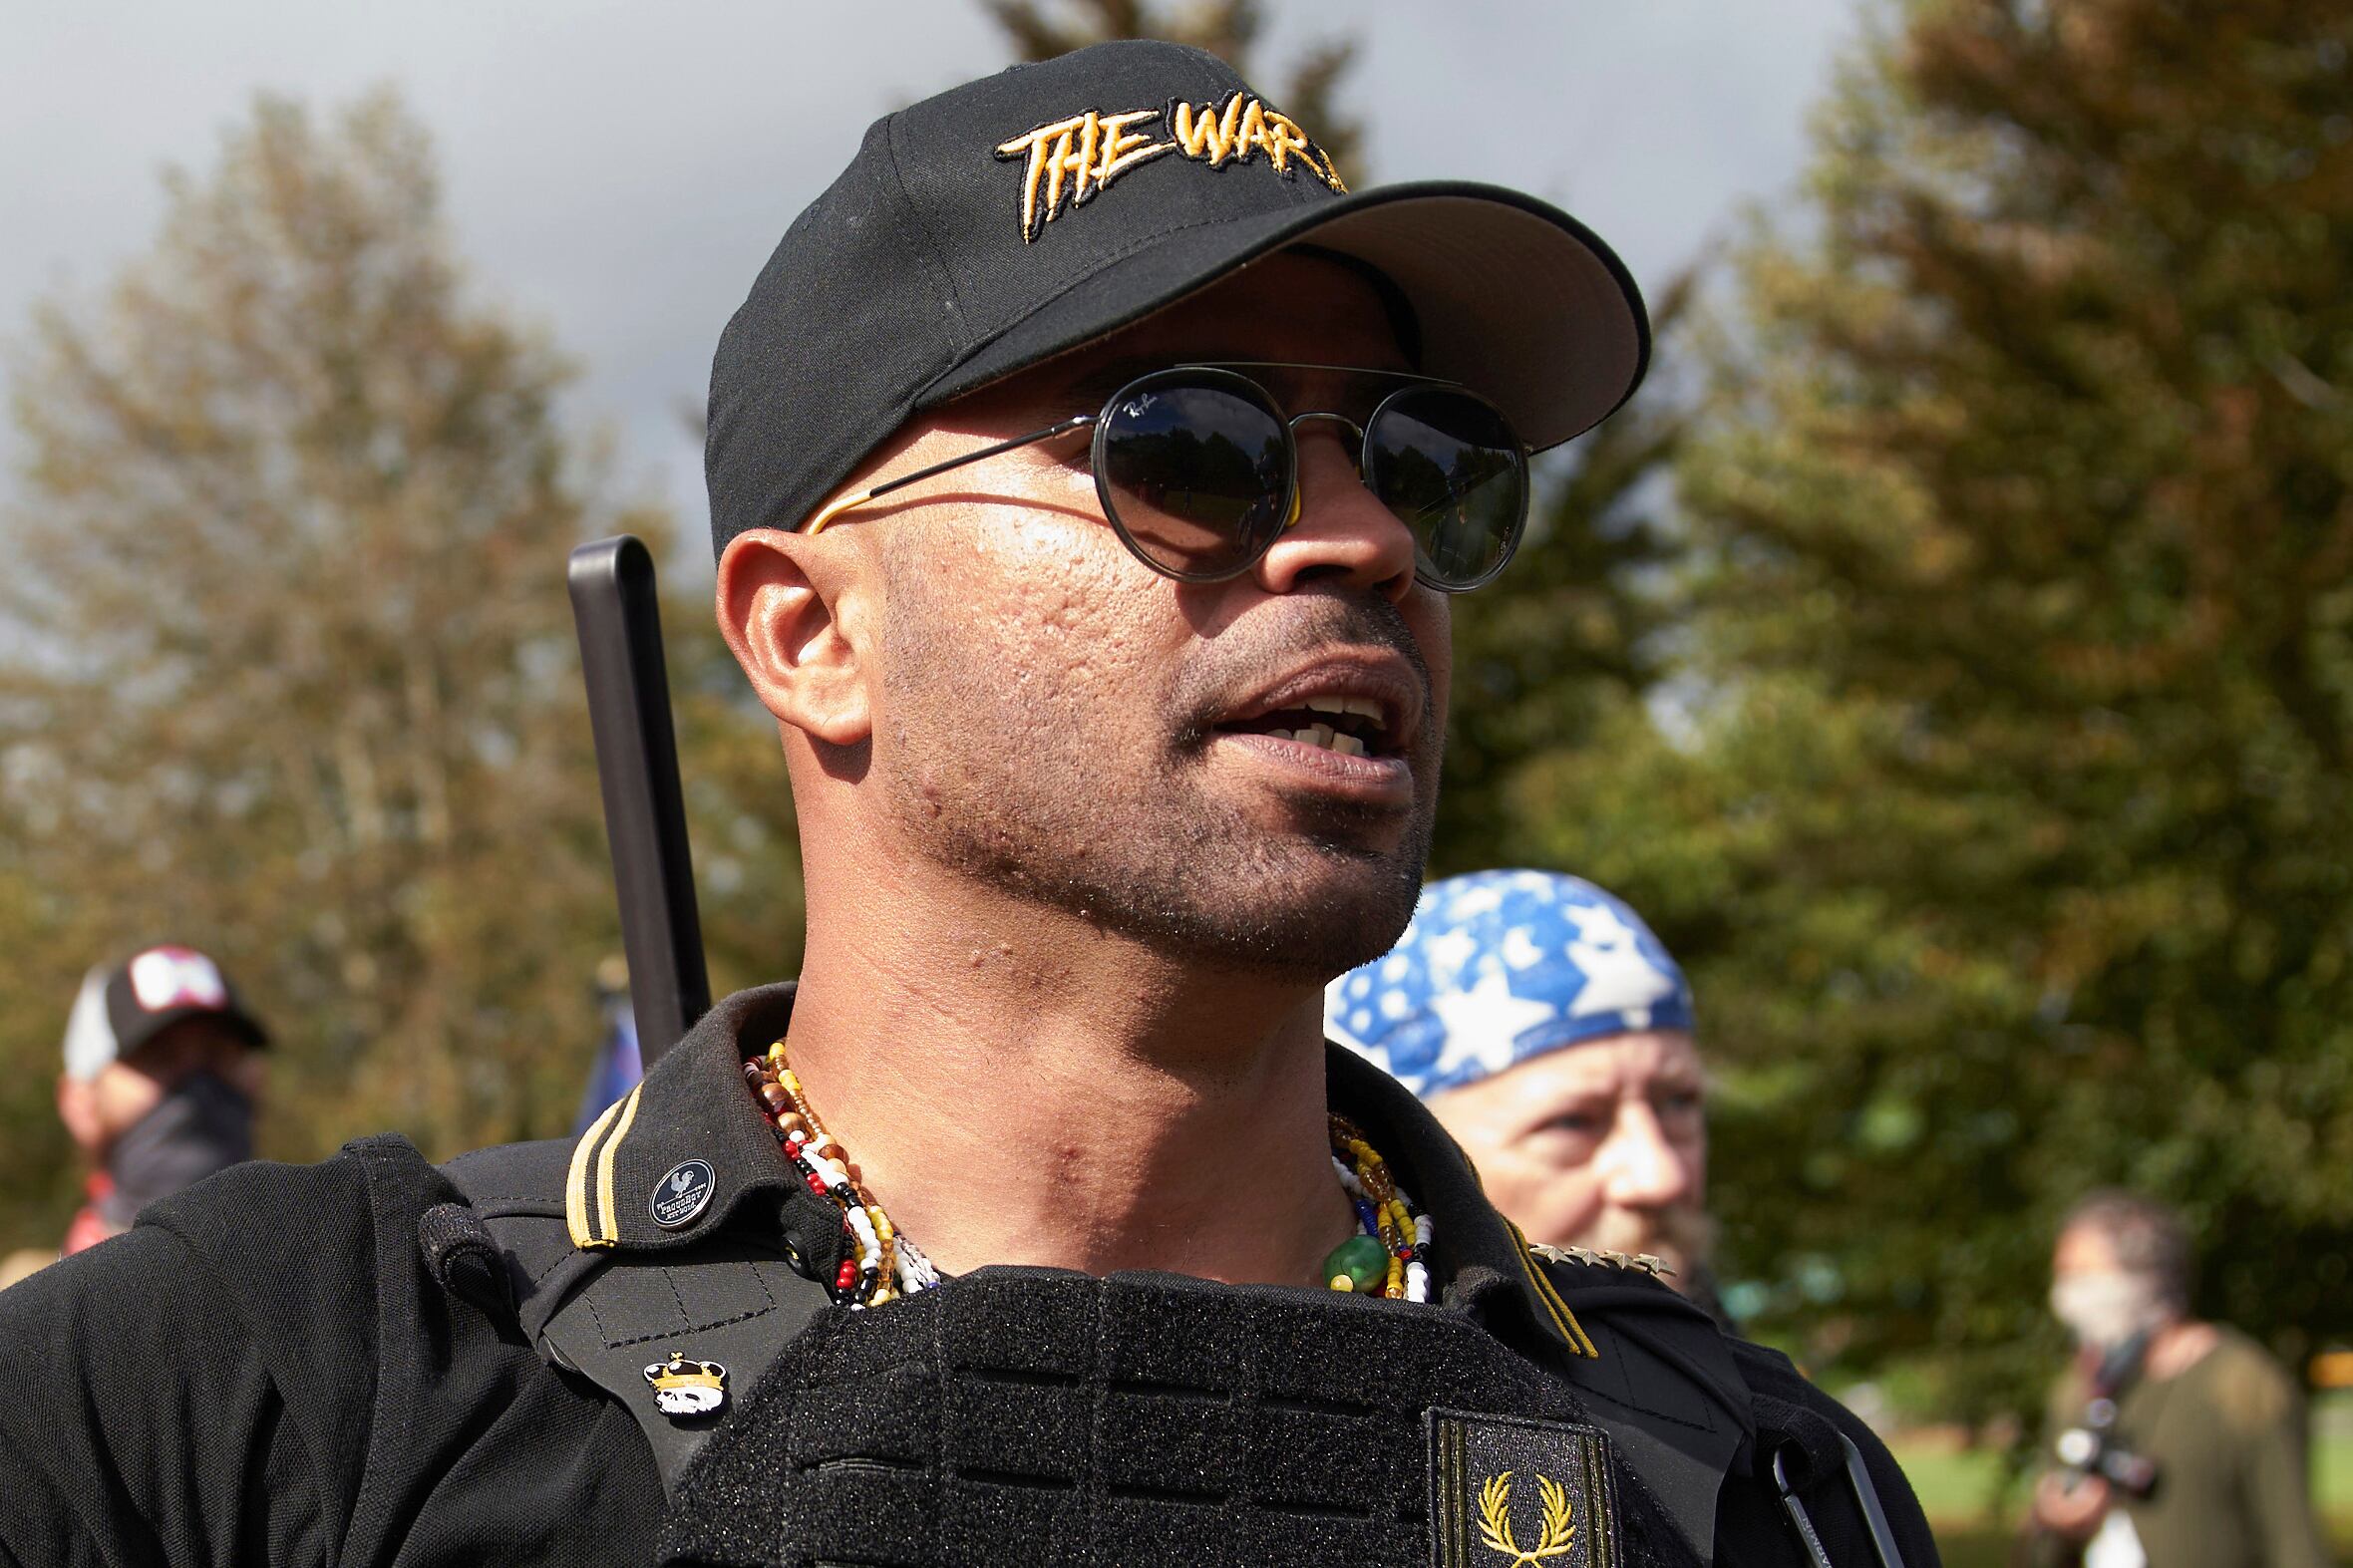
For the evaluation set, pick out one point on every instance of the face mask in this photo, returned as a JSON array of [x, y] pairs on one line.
[[2105, 1308], [200, 1125]]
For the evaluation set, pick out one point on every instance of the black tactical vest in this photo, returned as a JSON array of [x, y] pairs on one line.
[[1554, 1409], [1037, 1417], [1021, 1415]]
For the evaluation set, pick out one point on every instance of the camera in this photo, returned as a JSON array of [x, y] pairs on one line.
[[2090, 1449]]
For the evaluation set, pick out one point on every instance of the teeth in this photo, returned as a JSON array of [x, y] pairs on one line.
[[1325, 736], [1362, 706]]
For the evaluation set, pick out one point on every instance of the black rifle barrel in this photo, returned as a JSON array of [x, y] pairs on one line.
[[620, 619]]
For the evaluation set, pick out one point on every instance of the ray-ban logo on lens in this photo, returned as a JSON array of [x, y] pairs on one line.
[[1069, 163]]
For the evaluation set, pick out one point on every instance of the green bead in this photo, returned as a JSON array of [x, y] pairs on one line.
[[1363, 1260]]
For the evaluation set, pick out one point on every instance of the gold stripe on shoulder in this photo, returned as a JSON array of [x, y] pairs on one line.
[[576, 1181], [1564, 1320], [608, 1215]]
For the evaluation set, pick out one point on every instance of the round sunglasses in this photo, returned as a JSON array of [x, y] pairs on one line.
[[1198, 470]]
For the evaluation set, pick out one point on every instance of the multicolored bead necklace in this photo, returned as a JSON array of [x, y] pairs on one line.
[[1388, 1257], [882, 1265]]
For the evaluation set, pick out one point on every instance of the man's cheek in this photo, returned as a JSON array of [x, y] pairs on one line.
[[1432, 740], [1065, 611], [1432, 629], [1574, 1203], [1559, 1203]]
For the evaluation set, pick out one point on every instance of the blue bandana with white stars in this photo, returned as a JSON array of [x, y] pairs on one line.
[[1501, 966]]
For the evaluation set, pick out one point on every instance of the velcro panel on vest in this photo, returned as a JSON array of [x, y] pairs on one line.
[[1032, 1416]]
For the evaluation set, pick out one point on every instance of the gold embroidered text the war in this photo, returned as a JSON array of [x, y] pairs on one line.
[[1077, 158], [1069, 163]]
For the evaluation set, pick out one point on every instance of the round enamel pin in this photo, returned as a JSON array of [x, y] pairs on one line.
[[684, 1193]]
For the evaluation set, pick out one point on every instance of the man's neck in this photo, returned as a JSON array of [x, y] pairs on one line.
[[1024, 1087], [2178, 1346]]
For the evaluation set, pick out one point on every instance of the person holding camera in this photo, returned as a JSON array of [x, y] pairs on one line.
[[2179, 1441]]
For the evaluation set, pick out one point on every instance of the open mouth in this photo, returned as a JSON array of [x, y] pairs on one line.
[[1350, 726]]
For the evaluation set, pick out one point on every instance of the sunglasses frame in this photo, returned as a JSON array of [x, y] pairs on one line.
[[1233, 371]]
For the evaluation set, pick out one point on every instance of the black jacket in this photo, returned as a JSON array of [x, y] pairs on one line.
[[292, 1365]]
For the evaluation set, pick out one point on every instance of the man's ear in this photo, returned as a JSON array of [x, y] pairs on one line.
[[781, 598]]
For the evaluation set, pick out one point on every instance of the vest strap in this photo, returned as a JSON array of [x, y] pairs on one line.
[[734, 1302]]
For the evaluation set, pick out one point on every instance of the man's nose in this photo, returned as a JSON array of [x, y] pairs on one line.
[[1640, 1166], [1343, 533]]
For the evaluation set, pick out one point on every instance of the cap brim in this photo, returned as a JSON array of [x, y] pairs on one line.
[[1515, 298], [131, 1036]]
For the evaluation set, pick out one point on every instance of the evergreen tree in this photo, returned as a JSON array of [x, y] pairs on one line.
[[2010, 841], [289, 672], [1571, 640]]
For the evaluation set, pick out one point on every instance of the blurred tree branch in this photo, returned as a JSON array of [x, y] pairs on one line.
[[1229, 29]]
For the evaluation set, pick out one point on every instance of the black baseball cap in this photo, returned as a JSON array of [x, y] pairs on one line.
[[148, 993], [1013, 218]]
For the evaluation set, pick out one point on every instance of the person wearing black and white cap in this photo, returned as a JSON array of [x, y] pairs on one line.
[[1089, 474], [163, 1073]]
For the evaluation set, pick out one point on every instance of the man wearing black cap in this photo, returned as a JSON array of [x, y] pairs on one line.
[[1089, 471]]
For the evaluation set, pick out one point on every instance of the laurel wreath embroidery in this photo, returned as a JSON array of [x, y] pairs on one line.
[[1494, 1520]]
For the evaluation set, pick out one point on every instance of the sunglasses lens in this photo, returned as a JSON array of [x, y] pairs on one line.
[[1450, 467], [1195, 471]]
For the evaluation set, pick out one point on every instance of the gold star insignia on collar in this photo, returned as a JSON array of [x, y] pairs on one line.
[[1643, 1262]]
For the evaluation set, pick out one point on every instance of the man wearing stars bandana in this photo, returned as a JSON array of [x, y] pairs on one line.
[[1477, 1010]]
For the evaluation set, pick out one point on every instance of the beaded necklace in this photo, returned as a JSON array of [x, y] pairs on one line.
[[1387, 1257], [1389, 1252]]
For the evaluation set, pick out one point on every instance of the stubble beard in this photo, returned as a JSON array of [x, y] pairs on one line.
[[1003, 788]]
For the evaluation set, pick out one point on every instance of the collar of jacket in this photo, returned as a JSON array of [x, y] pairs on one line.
[[693, 1107], [1483, 1265]]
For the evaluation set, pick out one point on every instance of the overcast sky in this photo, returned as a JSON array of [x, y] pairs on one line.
[[619, 171]]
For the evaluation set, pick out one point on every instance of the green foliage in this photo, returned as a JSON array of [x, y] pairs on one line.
[[287, 669], [38, 1179], [2009, 842], [1577, 632], [295, 685]]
